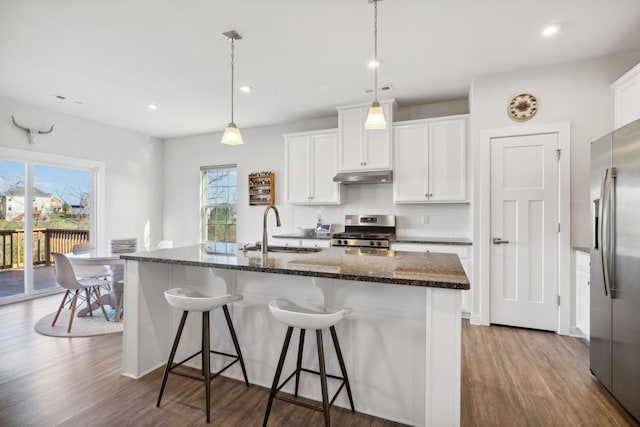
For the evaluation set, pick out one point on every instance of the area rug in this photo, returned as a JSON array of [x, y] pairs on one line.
[[87, 326]]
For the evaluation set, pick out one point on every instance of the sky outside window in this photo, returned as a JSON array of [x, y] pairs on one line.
[[67, 184]]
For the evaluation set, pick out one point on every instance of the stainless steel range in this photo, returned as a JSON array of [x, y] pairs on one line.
[[371, 231]]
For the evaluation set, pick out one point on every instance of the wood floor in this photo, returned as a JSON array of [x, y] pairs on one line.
[[511, 377]]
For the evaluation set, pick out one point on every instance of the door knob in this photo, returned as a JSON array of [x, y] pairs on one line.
[[499, 241]]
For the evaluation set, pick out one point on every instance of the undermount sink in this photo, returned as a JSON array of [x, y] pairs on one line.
[[289, 249]]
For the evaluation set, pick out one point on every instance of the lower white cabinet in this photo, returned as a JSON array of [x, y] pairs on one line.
[[301, 242], [311, 162], [465, 252], [582, 292], [430, 160]]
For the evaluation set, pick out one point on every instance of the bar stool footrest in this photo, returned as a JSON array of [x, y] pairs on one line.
[[301, 403], [213, 374]]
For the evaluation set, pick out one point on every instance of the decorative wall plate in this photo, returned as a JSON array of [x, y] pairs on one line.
[[523, 106]]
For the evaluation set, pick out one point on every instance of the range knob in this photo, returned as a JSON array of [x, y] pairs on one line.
[[378, 243], [372, 243]]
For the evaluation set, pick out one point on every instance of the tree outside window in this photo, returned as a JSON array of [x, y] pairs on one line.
[[219, 207]]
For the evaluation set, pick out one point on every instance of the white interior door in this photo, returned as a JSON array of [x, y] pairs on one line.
[[524, 231]]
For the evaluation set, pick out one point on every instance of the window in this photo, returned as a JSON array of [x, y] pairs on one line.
[[219, 206]]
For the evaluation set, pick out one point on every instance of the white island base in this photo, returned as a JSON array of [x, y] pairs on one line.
[[401, 344]]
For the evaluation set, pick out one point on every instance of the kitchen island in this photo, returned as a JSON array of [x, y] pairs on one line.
[[401, 344]]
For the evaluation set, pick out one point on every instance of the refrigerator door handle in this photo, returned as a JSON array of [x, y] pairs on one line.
[[595, 240], [612, 232], [603, 230]]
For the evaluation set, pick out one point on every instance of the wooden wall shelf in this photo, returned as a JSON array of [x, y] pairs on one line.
[[262, 189]]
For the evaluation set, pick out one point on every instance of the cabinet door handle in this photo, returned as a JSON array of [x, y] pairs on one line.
[[499, 241]]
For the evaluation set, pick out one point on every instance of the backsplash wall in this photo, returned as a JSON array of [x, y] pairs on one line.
[[432, 220]]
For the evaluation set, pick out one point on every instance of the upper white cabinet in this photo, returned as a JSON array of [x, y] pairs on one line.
[[430, 160], [627, 97], [361, 149], [311, 162]]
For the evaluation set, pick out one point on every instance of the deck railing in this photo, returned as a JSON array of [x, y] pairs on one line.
[[45, 241]]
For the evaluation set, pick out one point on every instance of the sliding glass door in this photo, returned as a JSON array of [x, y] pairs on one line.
[[44, 208], [12, 209]]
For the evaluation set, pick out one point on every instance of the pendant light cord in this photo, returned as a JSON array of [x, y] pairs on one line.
[[232, 66], [375, 50]]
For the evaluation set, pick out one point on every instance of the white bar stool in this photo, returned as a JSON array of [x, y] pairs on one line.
[[296, 316], [188, 299]]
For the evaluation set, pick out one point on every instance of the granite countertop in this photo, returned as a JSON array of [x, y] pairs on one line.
[[302, 236], [434, 240], [366, 265]]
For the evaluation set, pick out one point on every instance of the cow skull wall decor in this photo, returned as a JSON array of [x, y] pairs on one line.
[[31, 134]]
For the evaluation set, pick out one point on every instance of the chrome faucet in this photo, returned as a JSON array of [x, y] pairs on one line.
[[265, 239]]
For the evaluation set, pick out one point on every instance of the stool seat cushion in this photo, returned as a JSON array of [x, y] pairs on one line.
[[188, 299], [295, 315]]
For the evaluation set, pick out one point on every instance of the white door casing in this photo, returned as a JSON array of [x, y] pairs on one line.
[[524, 230]]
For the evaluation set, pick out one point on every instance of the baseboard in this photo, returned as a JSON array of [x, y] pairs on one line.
[[475, 320]]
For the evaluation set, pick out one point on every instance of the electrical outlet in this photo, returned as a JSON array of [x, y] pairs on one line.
[[425, 219]]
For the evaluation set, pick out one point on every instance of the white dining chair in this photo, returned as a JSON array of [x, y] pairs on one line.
[[89, 272], [165, 244], [66, 278]]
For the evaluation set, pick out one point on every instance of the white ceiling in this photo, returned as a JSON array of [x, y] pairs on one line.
[[301, 57]]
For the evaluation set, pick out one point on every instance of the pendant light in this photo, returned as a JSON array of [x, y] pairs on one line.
[[231, 134], [375, 118]]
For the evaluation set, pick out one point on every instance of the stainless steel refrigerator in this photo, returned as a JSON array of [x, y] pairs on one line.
[[615, 264]]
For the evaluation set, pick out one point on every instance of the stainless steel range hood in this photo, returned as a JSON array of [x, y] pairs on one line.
[[365, 177]]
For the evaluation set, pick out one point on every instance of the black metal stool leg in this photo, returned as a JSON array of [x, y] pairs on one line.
[[203, 352], [323, 379], [172, 355], [336, 345], [206, 359], [276, 378], [234, 338], [299, 364]]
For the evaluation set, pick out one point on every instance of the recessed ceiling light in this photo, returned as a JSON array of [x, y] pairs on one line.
[[152, 107], [373, 63], [550, 30], [245, 89]]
